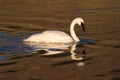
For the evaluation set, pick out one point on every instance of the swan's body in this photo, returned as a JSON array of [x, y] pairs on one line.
[[51, 36]]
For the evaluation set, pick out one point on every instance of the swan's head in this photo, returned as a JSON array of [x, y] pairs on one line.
[[80, 22]]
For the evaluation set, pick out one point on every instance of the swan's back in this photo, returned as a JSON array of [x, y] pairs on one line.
[[55, 34], [50, 37]]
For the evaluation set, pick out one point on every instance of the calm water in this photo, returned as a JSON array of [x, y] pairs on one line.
[[99, 46]]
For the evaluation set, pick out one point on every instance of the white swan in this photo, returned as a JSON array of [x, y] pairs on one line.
[[51, 36]]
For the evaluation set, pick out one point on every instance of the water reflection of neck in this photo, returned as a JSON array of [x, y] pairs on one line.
[[73, 54]]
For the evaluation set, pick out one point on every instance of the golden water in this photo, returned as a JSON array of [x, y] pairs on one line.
[[20, 19]]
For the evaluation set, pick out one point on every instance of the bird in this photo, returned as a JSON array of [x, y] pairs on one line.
[[55, 36]]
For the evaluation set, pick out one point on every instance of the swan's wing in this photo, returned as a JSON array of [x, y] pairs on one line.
[[56, 36]]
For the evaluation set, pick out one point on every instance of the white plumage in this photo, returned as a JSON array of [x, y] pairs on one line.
[[50, 37]]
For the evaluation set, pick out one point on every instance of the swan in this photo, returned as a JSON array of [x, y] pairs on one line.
[[51, 36]]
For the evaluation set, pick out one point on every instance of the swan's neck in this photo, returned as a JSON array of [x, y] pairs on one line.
[[72, 31]]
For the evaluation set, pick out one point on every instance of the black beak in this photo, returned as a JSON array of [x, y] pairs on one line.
[[83, 26]]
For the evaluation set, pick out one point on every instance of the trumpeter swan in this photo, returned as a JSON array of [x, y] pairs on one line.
[[51, 36]]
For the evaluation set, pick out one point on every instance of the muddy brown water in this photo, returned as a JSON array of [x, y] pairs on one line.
[[100, 43]]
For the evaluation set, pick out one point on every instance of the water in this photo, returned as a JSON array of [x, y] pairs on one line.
[[99, 48]]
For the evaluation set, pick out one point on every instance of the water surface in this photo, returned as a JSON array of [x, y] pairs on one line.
[[20, 19]]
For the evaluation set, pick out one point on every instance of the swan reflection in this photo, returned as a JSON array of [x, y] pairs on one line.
[[55, 49], [73, 53]]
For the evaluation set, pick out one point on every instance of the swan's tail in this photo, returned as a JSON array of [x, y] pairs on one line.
[[25, 40]]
